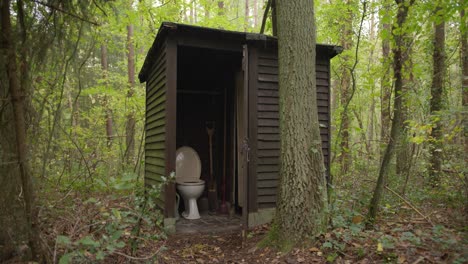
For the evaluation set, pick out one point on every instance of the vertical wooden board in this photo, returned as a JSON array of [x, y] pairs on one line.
[[171, 108], [253, 122]]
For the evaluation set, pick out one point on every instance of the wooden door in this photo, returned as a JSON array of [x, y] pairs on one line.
[[242, 136]]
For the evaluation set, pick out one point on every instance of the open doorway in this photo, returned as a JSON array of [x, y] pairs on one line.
[[207, 81]]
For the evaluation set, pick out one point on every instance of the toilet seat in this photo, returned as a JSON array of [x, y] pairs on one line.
[[188, 166], [191, 183]]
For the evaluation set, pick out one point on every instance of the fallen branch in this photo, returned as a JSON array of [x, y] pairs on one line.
[[410, 205]]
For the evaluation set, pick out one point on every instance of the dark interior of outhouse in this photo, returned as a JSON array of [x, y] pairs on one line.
[[206, 92]]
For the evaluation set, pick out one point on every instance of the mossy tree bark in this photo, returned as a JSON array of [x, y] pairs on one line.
[[347, 44], [302, 201], [19, 232], [397, 50], [436, 103]]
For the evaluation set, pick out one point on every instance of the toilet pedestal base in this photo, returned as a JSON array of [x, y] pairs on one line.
[[192, 208]]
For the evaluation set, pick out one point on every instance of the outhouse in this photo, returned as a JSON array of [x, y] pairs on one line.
[[200, 77]]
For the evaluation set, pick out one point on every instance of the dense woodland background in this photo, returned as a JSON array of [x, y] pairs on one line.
[[78, 159]]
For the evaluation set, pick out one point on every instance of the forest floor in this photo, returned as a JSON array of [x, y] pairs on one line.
[[97, 231]]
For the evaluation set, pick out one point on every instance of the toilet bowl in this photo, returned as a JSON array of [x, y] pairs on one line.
[[188, 183]]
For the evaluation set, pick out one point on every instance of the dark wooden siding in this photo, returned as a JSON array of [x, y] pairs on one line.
[[268, 145], [155, 154]]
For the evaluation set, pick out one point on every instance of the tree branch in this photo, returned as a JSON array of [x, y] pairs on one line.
[[66, 12]]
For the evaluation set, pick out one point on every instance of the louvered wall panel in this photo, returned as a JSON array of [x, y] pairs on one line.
[[268, 145], [155, 121]]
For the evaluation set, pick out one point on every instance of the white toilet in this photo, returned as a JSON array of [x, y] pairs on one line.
[[188, 183]]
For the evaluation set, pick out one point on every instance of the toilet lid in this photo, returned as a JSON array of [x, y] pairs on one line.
[[188, 165]]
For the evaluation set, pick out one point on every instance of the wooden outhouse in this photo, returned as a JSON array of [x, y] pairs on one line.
[[198, 77]]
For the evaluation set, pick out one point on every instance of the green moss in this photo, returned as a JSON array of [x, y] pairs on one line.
[[274, 240]]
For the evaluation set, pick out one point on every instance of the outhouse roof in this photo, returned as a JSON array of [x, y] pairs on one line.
[[166, 27]]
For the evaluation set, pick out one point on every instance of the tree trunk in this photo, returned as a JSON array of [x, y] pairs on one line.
[[130, 127], [19, 234], [386, 84], [464, 66], [397, 50], [403, 148], [437, 88], [302, 198], [346, 43], [109, 123]]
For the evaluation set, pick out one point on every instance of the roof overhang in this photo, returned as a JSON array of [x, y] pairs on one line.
[[242, 37]]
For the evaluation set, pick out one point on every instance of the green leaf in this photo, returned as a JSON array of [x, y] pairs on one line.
[[88, 241], [116, 213], [63, 240], [65, 259], [327, 245], [100, 255]]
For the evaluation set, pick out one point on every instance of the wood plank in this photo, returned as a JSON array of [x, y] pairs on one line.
[[268, 122], [268, 130], [155, 110], [264, 176], [265, 153], [267, 192], [270, 108], [268, 100], [268, 93], [323, 89], [268, 168], [159, 117], [157, 102], [322, 82], [155, 169], [155, 138], [267, 70], [268, 137], [268, 161], [155, 146], [267, 199], [267, 184], [267, 86], [322, 96], [155, 161], [321, 68], [267, 62], [268, 78], [268, 145], [321, 75], [323, 109], [156, 125], [322, 103], [154, 153], [155, 131], [268, 115], [266, 205], [156, 95], [155, 76]]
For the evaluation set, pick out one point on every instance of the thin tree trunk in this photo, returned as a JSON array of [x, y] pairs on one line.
[[130, 127], [437, 88], [386, 84], [346, 43], [24, 230], [302, 195], [464, 66], [109, 123], [402, 13]]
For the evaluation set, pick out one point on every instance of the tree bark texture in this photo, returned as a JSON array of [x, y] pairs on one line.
[[130, 126], [464, 66], [436, 103], [346, 43], [19, 235], [397, 50], [302, 202], [403, 156], [109, 122], [386, 83]]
